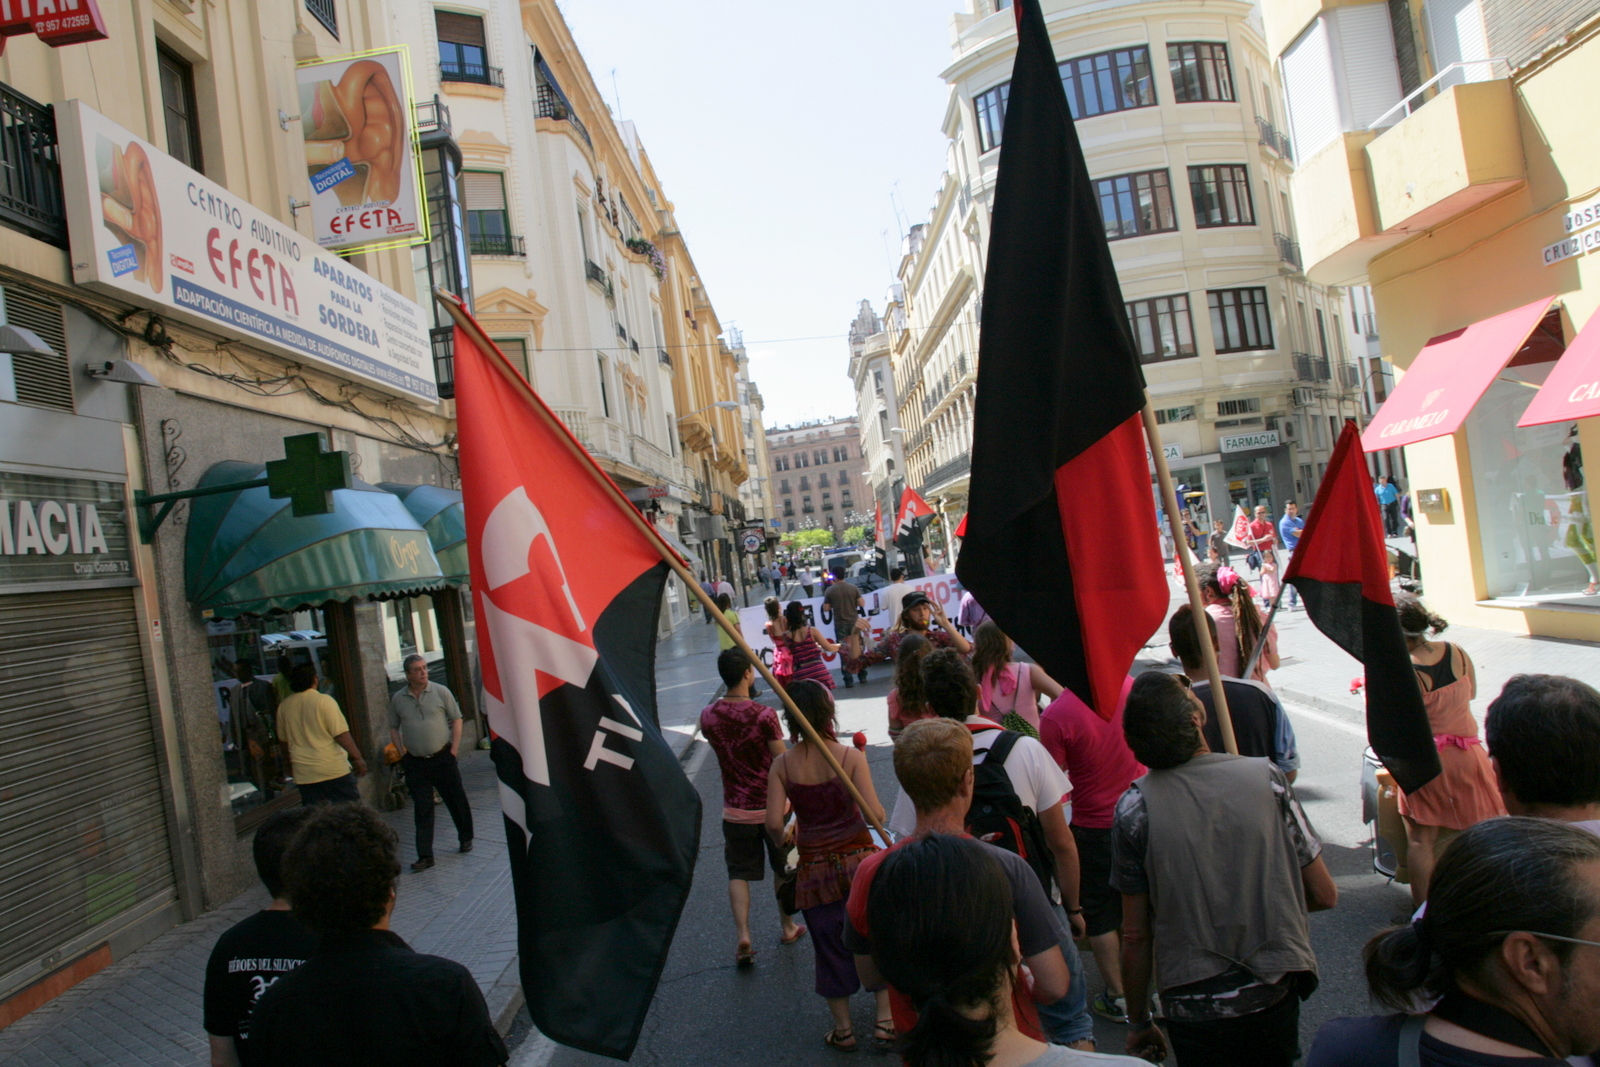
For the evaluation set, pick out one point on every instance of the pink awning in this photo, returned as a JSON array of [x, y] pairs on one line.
[[1447, 378], [1572, 391]]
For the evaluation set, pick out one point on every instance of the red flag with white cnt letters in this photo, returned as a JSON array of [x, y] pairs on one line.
[[601, 823]]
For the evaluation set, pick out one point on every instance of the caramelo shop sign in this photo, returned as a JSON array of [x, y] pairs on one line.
[[148, 229]]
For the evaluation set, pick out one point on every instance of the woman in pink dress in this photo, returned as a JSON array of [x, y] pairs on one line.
[[1008, 692], [1232, 606], [782, 661], [805, 644], [1465, 793]]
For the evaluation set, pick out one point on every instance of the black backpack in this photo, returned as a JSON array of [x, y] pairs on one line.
[[998, 816]]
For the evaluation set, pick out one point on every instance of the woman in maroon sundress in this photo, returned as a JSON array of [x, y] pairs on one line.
[[805, 645]]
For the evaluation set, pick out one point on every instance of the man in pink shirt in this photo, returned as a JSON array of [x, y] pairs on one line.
[[1097, 759], [746, 736]]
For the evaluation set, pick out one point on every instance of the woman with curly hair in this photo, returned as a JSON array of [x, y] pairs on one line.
[[833, 840], [906, 701], [1465, 792], [1232, 606], [1008, 692]]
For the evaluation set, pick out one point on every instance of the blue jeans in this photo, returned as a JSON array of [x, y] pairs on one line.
[[1068, 1019]]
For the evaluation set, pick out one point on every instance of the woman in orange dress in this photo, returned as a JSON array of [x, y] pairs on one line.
[[1465, 792]]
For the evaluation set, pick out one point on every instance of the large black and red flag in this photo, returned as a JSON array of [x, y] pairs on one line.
[[1061, 546], [1341, 568], [601, 823], [912, 518]]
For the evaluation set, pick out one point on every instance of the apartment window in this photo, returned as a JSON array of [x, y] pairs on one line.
[[1221, 196], [822, 457], [788, 509], [325, 14], [841, 454], [805, 483], [488, 221], [783, 486], [1243, 406], [827, 501], [463, 55], [805, 505], [1200, 71], [990, 107], [1161, 328], [822, 480], [516, 350], [1239, 319], [178, 108], [883, 426], [1322, 334], [1108, 81], [877, 382], [844, 501], [605, 397], [1179, 414], [780, 463], [1136, 204], [801, 459]]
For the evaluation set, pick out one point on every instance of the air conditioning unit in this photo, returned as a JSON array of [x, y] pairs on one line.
[[1289, 428], [1303, 396]]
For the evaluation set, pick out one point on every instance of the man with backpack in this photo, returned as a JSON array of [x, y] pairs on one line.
[[1016, 805]]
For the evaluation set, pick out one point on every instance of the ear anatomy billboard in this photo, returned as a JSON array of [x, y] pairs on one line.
[[361, 151], [149, 230]]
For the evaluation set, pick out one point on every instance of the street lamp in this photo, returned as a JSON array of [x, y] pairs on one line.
[[725, 405]]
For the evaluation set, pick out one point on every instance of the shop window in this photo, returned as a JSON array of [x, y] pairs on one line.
[[251, 658], [411, 627], [1199, 71], [1535, 533], [1132, 205], [1161, 328], [178, 108]]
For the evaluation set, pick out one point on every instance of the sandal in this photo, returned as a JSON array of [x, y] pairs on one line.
[[835, 1039], [746, 955], [884, 1035], [799, 932]]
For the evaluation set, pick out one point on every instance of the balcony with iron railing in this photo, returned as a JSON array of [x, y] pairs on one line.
[[1311, 368], [432, 116], [552, 105], [30, 169], [1288, 249], [1270, 137], [444, 360], [497, 244], [664, 358], [947, 472], [474, 73]]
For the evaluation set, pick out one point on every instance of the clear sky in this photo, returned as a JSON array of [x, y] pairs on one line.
[[779, 131]]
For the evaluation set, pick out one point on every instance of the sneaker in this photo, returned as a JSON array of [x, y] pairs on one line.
[[862, 677], [1109, 1007]]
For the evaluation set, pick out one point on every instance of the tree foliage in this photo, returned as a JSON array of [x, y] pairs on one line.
[[810, 538]]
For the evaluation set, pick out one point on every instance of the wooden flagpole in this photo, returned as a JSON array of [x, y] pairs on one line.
[[1180, 548], [463, 319]]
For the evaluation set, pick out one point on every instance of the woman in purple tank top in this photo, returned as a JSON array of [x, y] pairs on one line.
[[833, 840]]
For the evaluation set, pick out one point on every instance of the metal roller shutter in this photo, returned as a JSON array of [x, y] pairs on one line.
[[83, 830]]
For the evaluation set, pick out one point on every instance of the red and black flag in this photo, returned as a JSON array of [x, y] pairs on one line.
[[913, 516], [1341, 568], [601, 823], [1061, 546]]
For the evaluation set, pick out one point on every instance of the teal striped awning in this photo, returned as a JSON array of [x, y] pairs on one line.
[[247, 553], [441, 514]]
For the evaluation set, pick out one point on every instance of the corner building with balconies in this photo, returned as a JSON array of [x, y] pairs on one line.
[[1248, 363]]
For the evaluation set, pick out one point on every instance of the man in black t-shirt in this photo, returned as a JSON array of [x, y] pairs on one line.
[[255, 952], [364, 996], [1260, 725]]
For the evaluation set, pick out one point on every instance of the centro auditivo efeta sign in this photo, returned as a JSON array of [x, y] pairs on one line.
[[153, 231]]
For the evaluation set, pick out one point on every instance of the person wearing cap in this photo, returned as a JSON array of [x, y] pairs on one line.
[[917, 614]]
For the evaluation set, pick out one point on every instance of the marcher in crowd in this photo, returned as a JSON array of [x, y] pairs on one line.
[[1217, 868], [1263, 536], [894, 593], [843, 601], [1193, 535], [711, 594], [1543, 732], [969, 613], [1289, 529], [942, 916], [725, 608], [1232, 606], [1008, 692], [782, 661], [746, 737], [1096, 757], [256, 951], [1269, 579], [1028, 795], [805, 644], [1389, 502], [324, 756], [1507, 948], [1464, 793], [364, 997], [725, 587], [1220, 551], [833, 840], [425, 725], [1260, 725], [917, 613], [906, 701], [933, 763]]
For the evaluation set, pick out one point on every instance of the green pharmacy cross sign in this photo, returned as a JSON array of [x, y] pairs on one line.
[[307, 476]]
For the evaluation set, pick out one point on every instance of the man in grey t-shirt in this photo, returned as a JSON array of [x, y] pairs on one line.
[[425, 725]]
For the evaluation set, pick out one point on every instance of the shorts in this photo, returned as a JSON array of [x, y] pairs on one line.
[[1102, 905], [743, 845]]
